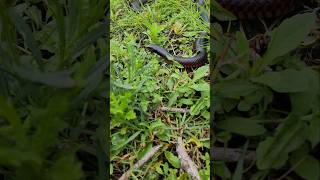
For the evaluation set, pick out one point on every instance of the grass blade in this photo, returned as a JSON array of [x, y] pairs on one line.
[[58, 14], [25, 30]]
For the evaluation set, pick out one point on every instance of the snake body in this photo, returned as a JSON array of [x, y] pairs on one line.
[[251, 9], [242, 9], [188, 62]]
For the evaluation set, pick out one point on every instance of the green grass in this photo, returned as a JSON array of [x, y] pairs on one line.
[[269, 105], [141, 82]]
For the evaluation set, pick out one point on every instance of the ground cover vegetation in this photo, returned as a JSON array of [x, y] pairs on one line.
[[144, 89], [267, 103]]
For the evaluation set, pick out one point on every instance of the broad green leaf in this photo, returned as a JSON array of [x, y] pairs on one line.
[[221, 13], [170, 84], [173, 160], [242, 43], [307, 166], [173, 98], [200, 73], [198, 106], [264, 154], [21, 8], [273, 151], [186, 101], [183, 89], [282, 41], [257, 96], [35, 14], [284, 81], [235, 88], [244, 106], [221, 169], [144, 151], [242, 126], [229, 104], [162, 133], [314, 131], [201, 87], [303, 102], [156, 125]]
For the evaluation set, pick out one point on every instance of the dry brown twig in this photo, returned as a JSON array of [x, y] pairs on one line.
[[141, 162], [231, 154], [174, 110], [186, 163]]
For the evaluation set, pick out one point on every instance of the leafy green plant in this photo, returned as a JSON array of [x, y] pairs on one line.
[[142, 84], [273, 102]]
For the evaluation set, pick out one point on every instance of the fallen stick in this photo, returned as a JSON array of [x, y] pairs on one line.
[[141, 162], [186, 163], [174, 110], [231, 154]]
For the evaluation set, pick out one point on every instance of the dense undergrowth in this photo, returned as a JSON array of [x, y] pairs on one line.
[[142, 84], [268, 105], [53, 89]]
